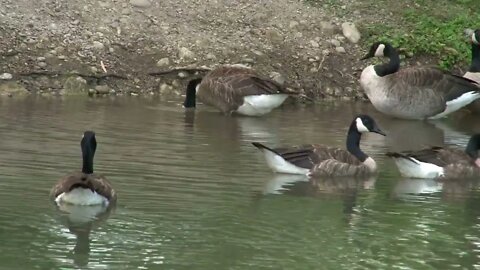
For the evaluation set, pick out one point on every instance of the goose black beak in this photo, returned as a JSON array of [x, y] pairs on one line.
[[378, 131]]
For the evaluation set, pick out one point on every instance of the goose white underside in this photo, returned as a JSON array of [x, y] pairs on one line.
[[419, 169], [260, 104], [81, 196], [458, 103], [280, 165], [79, 214]]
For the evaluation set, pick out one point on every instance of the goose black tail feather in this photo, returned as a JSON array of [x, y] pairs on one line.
[[400, 155], [263, 147]]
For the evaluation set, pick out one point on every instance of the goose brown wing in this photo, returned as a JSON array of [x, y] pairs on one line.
[[436, 155], [97, 183], [103, 187], [429, 82], [303, 156], [309, 155]]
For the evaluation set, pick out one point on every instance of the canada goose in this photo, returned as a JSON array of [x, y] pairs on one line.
[[85, 187], [235, 88], [473, 72], [414, 92], [322, 160], [441, 162]]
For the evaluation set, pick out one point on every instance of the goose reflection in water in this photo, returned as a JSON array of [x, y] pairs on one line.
[[448, 189], [80, 221]]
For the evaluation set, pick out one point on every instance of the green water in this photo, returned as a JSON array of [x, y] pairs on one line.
[[194, 194]]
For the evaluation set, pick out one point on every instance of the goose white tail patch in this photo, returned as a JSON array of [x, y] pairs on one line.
[[260, 104], [81, 196], [380, 50], [458, 103], [360, 126], [418, 169], [280, 165], [474, 39]]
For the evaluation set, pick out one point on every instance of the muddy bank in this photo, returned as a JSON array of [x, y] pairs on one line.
[[135, 47]]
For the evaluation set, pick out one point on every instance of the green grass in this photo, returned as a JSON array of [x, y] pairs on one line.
[[431, 27]]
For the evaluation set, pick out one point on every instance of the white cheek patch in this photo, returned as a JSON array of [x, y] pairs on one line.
[[379, 51], [474, 39], [360, 126]]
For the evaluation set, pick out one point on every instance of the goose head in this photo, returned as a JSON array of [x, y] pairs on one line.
[[473, 149], [190, 97], [88, 145], [364, 123], [379, 49], [476, 37]]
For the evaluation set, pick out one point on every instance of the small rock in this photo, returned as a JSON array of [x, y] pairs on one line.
[[273, 35], [165, 89], [340, 50], [163, 62], [97, 45], [62, 57], [184, 53], [42, 64], [314, 44], [351, 32], [140, 3], [102, 89], [293, 24], [277, 77], [6, 76], [176, 83], [74, 85], [75, 22], [334, 42], [41, 59], [94, 69], [248, 60], [298, 35], [182, 74], [125, 11], [210, 56], [327, 27]]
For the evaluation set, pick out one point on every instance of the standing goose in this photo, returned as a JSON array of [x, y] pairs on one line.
[[473, 72], [85, 187], [440, 162], [322, 160], [414, 92], [234, 88]]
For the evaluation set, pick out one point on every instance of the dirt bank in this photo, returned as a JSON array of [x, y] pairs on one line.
[[154, 47]]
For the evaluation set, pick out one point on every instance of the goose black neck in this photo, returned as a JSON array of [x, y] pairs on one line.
[[88, 152], [353, 143], [190, 97], [475, 66], [473, 146], [392, 66]]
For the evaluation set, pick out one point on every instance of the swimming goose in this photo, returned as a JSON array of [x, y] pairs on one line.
[[473, 72], [85, 187], [440, 162], [322, 160], [235, 88], [414, 92]]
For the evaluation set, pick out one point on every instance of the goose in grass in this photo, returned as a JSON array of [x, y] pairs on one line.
[[473, 72], [414, 92], [323, 160], [85, 187], [236, 89], [440, 162]]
